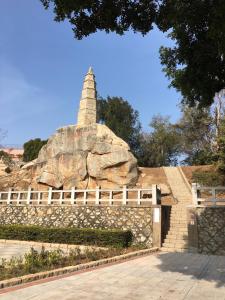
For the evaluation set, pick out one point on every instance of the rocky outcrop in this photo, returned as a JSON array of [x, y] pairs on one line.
[[81, 156]]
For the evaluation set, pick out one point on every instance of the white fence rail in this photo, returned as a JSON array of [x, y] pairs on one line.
[[75, 196], [208, 196]]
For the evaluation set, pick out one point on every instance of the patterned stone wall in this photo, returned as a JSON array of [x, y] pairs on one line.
[[211, 230], [136, 219]]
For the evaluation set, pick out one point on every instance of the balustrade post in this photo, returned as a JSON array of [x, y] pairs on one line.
[[85, 197], [158, 194], [195, 193], [110, 197], [50, 195], [97, 195], [139, 197], [124, 195], [39, 198], [9, 196], [154, 194], [18, 198], [214, 195], [28, 195], [73, 195], [61, 197]]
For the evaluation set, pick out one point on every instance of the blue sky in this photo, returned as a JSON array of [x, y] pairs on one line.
[[42, 69]]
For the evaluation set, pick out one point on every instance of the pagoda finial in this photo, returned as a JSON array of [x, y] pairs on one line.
[[90, 70], [87, 110]]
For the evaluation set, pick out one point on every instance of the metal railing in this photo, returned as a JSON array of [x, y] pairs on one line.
[[208, 196], [75, 196]]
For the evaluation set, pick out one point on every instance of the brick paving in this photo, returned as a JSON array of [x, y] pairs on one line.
[[160, 276]]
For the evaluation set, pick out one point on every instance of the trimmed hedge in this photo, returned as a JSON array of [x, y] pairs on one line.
[[77, 236]]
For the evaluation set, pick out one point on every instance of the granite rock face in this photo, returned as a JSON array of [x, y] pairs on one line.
[[80, 156], [86, 156]]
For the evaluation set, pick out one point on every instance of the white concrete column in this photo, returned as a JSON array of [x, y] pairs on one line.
[[50, 195], [139, 197], [39, 198], [124, 195], [97, 195], [194, 190], [61, 197], [85, 197], [73, 195], [154, 194], [9, 196], [18, 198], [29, 195], [110, 197]]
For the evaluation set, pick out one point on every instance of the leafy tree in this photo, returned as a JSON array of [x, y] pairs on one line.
[[32, 148], [221, 147], [195, 65], [6, 158], [88, 16], [161, 147], [196, 135], [218, 114], [122, 119]]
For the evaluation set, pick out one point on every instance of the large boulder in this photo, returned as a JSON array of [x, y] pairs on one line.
[[84, 157]]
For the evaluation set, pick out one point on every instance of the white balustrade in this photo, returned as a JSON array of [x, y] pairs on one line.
[[75, 196], [208, 196]]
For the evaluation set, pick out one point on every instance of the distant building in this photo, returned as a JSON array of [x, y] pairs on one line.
[[15, 153]]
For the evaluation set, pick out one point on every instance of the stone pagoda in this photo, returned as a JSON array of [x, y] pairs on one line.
[[87, 111]]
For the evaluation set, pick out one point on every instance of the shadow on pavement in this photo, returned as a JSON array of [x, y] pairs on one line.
[[198, 266]]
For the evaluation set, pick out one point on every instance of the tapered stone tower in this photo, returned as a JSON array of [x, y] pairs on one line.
[[87, 110]]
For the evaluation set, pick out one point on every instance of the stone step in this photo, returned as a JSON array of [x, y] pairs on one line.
[[178, 222], [179, 214], [180, 209], [178, 217], [176, 241], [171, 246], [175, 245], [179, 230], [178, 226], [164, 249], [176, 236]]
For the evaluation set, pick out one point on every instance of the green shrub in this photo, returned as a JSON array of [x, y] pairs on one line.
[[208, 178], [77, 236], [6, 158], [37, 261], [32, 148]]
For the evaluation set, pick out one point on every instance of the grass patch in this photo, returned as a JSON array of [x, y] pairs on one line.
[[76, 236]]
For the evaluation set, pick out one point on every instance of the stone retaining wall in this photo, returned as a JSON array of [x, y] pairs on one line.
[[207, 229], [137, 219]]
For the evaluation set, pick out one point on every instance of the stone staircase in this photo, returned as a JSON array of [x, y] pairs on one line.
[[177, 236]]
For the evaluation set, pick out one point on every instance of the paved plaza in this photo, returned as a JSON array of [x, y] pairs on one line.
[[158, 276], [8, 251]]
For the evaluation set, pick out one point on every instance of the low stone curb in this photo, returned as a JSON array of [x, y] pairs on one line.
[[66, 270]]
